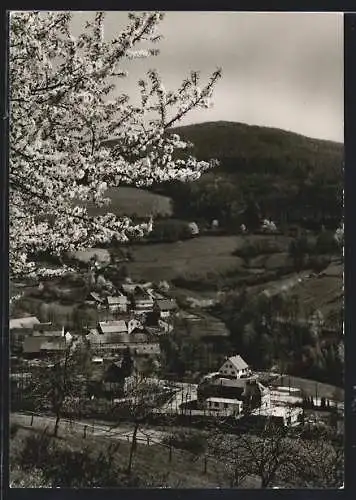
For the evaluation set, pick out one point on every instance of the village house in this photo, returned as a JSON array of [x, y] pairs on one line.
[[43, 345], [235, 367], [26, 322], [115, 338], [142, 302], [164, 327], [165, 307], [226, 406], [20, 328], [48, 330], [117, 303], [126, 325], [145, 349], [282, 415], [94, 299], [234, 380], [129, 287]]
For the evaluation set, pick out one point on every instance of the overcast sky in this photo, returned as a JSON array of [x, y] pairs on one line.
[[280, 70]]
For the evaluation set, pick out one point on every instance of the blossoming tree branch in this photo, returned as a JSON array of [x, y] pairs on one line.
[[61, 114]]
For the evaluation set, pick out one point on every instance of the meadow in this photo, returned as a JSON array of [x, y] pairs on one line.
[[132, 201]]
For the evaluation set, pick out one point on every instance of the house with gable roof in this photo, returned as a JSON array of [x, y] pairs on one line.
[[235, 367]]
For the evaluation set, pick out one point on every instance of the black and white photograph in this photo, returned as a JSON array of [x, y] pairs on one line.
[[176, 249]]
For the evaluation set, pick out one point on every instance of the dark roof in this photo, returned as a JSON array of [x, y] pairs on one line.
[[43, 343], [141, 292], [45, 327], [96, 297]]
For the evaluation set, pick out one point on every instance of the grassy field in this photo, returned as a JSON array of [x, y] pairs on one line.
[[133, 201], [191, 257], [323, 292], [207, 254]]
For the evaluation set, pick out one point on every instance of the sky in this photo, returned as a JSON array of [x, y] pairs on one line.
[[282, 70]]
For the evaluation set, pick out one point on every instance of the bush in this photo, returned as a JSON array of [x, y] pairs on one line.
[[326, 243], [14, 427], [36, 451], [318, 264], [170, 230], [57, 466], [193, 442], [263, 246]]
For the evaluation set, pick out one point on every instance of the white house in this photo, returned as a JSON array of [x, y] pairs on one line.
[[228, 406], [281, 414], [235, 367]]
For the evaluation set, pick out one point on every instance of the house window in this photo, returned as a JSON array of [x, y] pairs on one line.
[[226, 405], [216, 405]]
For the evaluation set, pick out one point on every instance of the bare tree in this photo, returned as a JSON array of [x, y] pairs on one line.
[[280, 456], [140, 401], [57, 384]]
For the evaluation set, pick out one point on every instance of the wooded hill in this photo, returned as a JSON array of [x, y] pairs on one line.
[[292, 178]]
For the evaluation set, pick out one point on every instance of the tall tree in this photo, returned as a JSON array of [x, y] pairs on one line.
[[62, 115]]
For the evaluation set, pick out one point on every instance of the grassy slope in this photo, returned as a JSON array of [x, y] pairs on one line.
[[130, 201], [181, 472], [196, 256]]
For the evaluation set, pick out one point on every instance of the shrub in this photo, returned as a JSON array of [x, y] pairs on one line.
[[192, 442], [319, 263], [326, 243], [251, 249], [170, 230], [14, 427], [36, 451]]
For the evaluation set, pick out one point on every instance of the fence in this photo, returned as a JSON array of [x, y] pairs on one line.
[[87, 430]]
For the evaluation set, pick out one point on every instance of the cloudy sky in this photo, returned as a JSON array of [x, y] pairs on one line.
[[280, 70]]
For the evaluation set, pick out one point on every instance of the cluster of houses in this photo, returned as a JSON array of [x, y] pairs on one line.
[[138, 316], [32, 338], [135, 317]]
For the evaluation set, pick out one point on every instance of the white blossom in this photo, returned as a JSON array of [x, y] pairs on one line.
[[60, 122]]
